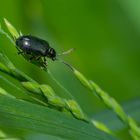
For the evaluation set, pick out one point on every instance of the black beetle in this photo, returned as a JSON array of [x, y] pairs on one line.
[[36, 47]]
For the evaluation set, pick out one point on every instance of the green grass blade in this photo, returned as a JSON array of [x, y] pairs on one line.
[[11, 29], [132, 108], [24, 116]]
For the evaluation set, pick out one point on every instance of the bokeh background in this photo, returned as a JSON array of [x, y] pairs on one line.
[[105, 34]]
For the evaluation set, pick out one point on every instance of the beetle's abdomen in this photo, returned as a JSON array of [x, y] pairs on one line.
[[31, 44]]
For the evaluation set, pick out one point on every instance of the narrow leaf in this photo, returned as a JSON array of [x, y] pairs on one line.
[[15, 114], [11, 29], [108, 117]]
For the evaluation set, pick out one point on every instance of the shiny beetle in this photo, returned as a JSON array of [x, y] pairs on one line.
[[35, 47]]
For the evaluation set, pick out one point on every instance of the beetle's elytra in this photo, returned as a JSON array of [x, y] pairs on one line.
[[36, 47]]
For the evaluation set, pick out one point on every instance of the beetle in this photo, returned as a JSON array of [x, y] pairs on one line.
[[38, 48], [35, 47]]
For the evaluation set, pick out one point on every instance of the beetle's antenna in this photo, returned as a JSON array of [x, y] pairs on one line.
[[64, 62], [67, 52]]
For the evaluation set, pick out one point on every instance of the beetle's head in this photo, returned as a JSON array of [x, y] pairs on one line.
[[51, 53]]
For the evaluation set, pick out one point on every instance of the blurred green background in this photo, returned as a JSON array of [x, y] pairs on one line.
[[106, 37]]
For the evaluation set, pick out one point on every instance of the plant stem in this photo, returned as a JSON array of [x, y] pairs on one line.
[[58, 83], [110, 102]]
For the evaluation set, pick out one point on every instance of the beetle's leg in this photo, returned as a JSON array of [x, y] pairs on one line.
[[37, 58], [28, 52], [17, 48], [45, 61], [20, 52], [31, 58]]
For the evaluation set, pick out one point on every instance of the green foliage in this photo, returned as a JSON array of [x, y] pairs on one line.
[[111, 103], [38, 90], [11, 29], [113, 122], [41, 94], [107, 61], [50, 100], [23, 117]]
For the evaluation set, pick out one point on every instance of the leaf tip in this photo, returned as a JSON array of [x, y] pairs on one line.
[[11, 28]]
